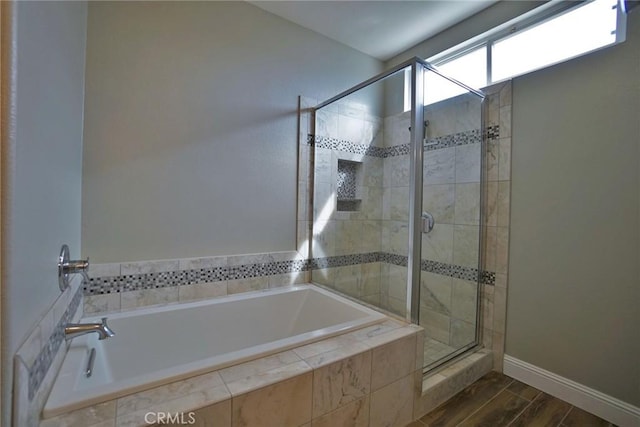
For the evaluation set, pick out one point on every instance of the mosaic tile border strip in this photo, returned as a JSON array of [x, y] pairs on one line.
[[454, 140], [43, 362], [134, 282], [397, 150], [399, 260], [346, 146], [343, 260], [115, 284], [493, 132], [444, 269]]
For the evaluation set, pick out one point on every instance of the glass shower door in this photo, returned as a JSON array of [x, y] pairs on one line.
[[361, 194], [451, 206]]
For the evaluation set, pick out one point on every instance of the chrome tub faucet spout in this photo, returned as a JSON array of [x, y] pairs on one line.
[[72, 330]]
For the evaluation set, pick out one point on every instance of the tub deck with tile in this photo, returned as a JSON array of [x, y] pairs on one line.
[[369, 376]]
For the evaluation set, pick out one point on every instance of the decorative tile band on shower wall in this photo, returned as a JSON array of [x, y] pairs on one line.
[[347, 146], [154, 280], [453, 140], [444, 269], [456, 139], [493, 132], [41, 366], [133, 282], [37, 360]]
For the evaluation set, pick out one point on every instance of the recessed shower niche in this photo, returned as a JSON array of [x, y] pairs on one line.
[[347, 185]]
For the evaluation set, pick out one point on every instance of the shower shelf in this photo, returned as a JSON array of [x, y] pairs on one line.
[[348, 205]]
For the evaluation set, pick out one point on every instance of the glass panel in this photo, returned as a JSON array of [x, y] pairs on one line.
[[470, 68], [361, 200], [451, 197], [361, 195], [573, 33]]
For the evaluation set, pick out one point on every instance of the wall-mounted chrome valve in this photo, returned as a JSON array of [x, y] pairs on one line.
[[67, 267], [427, 222]]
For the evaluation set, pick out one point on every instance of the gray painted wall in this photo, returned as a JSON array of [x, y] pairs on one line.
[[45, 169], [190, 126], [574, 286]]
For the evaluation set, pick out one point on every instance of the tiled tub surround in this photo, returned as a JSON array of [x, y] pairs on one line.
[[159, 345], [368, 377], [185, 394], [38, 359], [130, 285]]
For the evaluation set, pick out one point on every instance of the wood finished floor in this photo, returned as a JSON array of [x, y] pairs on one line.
[[497, 400]]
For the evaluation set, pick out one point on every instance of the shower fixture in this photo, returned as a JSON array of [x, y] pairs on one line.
[[66, 267]]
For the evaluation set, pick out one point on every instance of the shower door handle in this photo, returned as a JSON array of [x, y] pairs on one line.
[[427, 222]]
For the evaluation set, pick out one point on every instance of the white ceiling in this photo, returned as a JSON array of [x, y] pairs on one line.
[[381, 29]]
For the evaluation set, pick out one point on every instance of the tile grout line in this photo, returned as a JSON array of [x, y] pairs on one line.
[[371, 388], [313, 379], [566, 415], [523, 409], [485, 403]]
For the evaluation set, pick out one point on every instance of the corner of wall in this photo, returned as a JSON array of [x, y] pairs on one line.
[[8, 53]]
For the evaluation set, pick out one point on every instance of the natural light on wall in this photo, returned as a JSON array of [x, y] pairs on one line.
[[544, 41]]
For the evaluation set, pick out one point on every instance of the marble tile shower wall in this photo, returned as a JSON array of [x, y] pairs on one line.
[[496, 225], [452, 191], [395, 212], [346, 133]]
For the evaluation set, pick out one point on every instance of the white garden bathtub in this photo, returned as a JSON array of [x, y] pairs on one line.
[[159, 345]]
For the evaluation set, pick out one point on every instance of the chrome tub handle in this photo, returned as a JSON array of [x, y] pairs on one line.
[[92, 358]]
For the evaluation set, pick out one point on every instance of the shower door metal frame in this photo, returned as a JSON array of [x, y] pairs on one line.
[[418, 69], [416, 165], [415, 190]]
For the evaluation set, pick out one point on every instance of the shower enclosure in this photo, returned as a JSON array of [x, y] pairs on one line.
[[397, 197]]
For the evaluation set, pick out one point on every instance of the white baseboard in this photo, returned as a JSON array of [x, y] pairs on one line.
[[593, 401]]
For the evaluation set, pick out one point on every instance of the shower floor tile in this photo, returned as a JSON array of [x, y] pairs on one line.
[[435, 350], [498, 400]]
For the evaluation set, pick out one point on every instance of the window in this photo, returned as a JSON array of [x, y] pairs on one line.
[[566, 36], [469, 68], [549, 34]]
